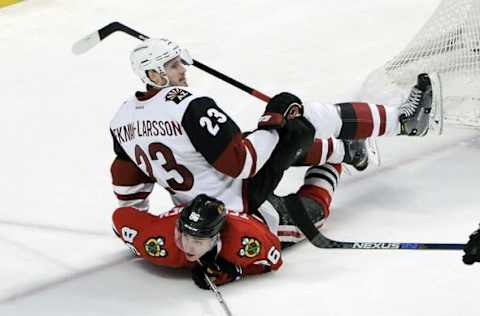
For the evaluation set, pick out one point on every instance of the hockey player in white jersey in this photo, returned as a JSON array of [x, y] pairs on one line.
[[181, 139]]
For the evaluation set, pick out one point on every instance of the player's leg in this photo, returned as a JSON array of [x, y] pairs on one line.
[[314, 198], [296, 137], [357, 120], [332, 150]]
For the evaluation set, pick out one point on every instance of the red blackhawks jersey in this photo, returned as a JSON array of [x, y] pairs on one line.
[[244, 240], [183, 141]]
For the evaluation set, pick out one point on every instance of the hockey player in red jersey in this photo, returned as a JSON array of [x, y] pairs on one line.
[[203, 237], [181, 139]]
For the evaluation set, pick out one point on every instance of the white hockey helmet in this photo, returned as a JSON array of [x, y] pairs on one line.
[[153, 54]]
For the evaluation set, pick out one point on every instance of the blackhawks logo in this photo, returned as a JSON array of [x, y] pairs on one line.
[[251, 247], [154, 247], [177, 95]]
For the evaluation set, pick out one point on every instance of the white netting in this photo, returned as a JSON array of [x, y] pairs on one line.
[[449, 44]]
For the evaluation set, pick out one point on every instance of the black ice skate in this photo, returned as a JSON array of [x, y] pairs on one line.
[[415, 111], [356, 153]]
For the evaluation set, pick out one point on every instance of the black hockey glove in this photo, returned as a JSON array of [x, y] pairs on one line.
[[472, 248], [280, 108], [296, 137], [220, 272]]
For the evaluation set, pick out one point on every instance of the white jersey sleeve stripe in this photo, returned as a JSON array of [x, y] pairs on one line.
[[141, 204], [127, 190]]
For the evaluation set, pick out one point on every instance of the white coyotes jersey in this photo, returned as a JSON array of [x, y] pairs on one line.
[[157, 135]]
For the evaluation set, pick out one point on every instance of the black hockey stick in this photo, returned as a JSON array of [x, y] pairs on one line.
[[91, 40], [307, 227], [323, 242]]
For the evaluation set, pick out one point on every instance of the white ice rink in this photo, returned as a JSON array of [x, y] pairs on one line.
[[58, 254]]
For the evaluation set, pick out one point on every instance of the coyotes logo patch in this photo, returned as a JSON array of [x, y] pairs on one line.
[[154, 247], [251, 247], [177, 95]]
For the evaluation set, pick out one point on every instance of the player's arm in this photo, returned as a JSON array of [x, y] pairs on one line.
[[149, 236], [252, 249], [216, 136], [130, 185], [261, 251]]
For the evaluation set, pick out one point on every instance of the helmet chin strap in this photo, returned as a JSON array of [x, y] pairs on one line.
[[163, 75]]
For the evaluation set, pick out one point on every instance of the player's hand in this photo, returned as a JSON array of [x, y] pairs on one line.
[[472, 248], [282, 107], [219, 272], [296, 137]]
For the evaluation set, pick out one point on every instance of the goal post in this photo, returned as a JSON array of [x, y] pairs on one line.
[[449, 45]]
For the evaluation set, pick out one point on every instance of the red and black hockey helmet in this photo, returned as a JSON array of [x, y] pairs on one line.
[[203, 218]]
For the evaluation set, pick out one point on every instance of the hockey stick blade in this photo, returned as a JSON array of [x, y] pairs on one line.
[[86, 43], [91, 40], [321, 241]]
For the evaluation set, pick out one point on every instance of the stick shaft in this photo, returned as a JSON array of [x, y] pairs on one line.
[[323, 242], [218, 295], [93, 39]]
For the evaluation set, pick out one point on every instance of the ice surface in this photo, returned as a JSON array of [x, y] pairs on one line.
[[59, 256]]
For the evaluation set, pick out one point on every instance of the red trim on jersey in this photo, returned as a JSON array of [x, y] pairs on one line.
[[144, 96], [253, 154], [126, 173], [330, 147], [296, 233], [271, 119], [314, 153], [319, 195], [383, 119], [364, 120], [232, 159], [133, 196]]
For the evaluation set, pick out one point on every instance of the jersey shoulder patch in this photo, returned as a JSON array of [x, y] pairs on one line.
[[177, 95], [250, 248]]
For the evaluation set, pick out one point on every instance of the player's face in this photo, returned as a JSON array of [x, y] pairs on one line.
[[194, 247], [176, 72]]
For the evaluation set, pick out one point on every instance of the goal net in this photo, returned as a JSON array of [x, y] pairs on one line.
[[448, 44]]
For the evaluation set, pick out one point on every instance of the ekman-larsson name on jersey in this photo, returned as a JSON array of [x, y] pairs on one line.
[[147, 128]]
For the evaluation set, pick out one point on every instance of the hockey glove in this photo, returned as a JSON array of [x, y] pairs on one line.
[[280, 108], [220, 272], [296, 137], [472, 248]]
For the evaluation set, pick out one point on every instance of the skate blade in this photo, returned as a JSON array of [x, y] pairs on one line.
[[373, 151], [373, 157], [437, 113]]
